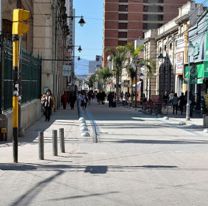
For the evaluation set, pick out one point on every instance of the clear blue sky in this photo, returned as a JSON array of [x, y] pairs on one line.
[[90, 36]]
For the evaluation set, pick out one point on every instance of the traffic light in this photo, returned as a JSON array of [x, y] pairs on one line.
[[20, 18]]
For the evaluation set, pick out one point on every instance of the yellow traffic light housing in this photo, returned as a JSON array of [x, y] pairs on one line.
[[20, 25]]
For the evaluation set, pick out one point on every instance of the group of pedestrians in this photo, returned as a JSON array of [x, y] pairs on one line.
[[48, 102], [68, 98], [178, 102], [101, 95]]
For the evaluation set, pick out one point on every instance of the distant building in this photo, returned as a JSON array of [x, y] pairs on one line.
[[94, 65], [127, 20]]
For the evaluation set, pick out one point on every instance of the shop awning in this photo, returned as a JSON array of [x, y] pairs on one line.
[[198, 72]]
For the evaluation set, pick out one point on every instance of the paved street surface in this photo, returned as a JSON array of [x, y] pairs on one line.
[[139, 160]]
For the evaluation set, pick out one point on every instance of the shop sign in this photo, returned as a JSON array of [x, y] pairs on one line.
[[179, 63], [67, 70], [198, 41]]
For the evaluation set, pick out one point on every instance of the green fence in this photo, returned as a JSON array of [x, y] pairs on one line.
[[30, 73]]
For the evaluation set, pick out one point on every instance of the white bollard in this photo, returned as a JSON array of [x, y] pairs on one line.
[[85, 134], [205, 130], [81, 119], [166, 118]]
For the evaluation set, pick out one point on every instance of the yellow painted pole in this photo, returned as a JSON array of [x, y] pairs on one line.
[[15, 96], [19, 27]]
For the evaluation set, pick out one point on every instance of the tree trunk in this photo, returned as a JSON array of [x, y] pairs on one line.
[[132, 94], [117, 87]]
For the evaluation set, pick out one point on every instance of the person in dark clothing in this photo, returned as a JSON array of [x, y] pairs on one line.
[[72, 100], [102, 97], [47, 103], [64, 100], [110, 99], [175, 104], [165, 98], [182, 102]]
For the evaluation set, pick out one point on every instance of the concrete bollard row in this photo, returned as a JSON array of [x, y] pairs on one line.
[[83, 127], [54, 143]]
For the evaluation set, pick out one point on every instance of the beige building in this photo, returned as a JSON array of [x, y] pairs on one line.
[[50, 30], [168, 46], [47, 39]]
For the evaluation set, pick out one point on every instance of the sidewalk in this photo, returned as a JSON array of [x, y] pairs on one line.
[[28, 145], [169, 118]]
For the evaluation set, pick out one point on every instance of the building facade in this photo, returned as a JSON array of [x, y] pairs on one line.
[[168, 46], [50, 31], [94, 65], [127, 20]]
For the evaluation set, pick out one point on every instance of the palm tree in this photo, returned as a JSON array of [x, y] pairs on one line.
[[92, 81], [135, 62], [119, 60], [130, 67], [104, 74]]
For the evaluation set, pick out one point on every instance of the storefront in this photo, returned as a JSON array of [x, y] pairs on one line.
[[197, 69]]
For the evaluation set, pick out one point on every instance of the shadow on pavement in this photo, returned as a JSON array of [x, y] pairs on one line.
[[84, 196], [143, 141], [96, 169], [28, 196]]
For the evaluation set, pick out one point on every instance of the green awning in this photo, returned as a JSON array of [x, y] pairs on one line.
[[199, 72]]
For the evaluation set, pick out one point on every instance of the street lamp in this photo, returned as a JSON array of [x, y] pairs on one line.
[[137, 62], [72, 46], [190, 48], [81, 21]]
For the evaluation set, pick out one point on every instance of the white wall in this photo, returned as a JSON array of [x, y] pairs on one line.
[[31, 112]]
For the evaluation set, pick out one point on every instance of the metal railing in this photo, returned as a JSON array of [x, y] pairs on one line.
[[30, 73]]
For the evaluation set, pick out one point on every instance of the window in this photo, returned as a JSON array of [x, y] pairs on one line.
[[123, 26], [123, 8], [122, 43], [153, 1], [152, 17], [123, 17], [122, 34], [153, 8], [148, 26]]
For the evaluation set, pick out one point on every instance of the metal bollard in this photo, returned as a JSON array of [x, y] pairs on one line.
[[41, 146], [55, 145], [61, 135]]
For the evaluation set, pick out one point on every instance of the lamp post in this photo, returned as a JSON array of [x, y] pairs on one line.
[[81, 21], [190, 47], [72, 46], [137, 63]]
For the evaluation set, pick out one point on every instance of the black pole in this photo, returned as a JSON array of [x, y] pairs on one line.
[[1, 73], [41, 146], [61, 135], [55, 145]]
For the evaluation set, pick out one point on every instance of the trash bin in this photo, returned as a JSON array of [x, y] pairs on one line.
[[3, 127]]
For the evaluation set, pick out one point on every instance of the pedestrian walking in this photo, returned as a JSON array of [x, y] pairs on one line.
[[175, 104], [182, 102], [72, 100], [47, 103], [84, 101], [64, 100]]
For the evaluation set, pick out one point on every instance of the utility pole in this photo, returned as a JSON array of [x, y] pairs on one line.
[[19, 27]]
